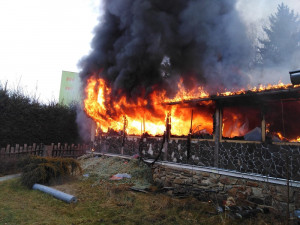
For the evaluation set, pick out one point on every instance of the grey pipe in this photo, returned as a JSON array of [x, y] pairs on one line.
[[55, 193]]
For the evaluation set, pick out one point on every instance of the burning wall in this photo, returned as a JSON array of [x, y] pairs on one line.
[[146, 116], [243, 113]]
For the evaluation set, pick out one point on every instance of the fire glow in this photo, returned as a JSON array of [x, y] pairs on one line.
[[143, 116], [149, 115]]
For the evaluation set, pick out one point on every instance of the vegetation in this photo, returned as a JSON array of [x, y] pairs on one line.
[[110, 202], [282, 41], [104, 167], [42, 169], [25, 121]]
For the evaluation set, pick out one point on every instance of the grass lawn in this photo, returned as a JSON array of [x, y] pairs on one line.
[[101, 201]]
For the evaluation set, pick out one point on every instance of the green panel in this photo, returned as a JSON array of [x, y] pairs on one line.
[[69, 88]]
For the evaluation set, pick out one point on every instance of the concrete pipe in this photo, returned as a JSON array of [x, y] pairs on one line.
[[55, 193]]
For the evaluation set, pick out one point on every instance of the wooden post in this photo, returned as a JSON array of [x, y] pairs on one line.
[[59, 150], [33, 149], [263, 127], [288, 187], [124, 134], [93, 132], [12, 151], [25, 149], [189, 139], [17, 151], [21, 150], [144, 126], [218, 133], [167, 137], [7, 150], [29, 150]]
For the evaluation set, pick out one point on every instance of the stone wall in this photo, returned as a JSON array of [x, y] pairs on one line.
[[265, 159], [272, 160], [217, 186], [150, 148], [269, 160], [201, 152]]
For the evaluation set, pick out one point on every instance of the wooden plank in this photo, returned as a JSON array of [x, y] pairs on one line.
[[218, 133], [25, 150], [7, 150], [263, 128], [17, 150], [12, 151], [29, 149], [33, 149]]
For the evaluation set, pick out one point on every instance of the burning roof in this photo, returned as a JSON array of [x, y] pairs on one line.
[[260, 94]]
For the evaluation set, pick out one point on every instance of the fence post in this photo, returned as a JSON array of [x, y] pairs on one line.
[[17, 150], [58, 150], [54, 150], [12, 151], [25, 149], [7, 152], [33, 149], [217, 133], [20, 151]]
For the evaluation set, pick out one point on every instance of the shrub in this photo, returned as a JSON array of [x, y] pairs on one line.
[[24, 120], [42, 169]]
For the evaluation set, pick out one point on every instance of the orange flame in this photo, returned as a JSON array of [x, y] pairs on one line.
[[142, 115], [148, 115], [282, 138], [260, 88]]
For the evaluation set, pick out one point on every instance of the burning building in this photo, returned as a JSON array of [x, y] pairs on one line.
[[155, 84], [230, 130]]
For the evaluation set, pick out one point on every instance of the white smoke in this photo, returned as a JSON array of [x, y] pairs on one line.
[[255, 15]]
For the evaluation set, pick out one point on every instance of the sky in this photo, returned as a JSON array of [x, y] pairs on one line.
[[39, 39]]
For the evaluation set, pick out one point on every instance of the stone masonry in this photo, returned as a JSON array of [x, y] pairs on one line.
[[268, 160], [212, 186]]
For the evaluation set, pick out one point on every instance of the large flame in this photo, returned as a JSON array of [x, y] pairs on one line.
[[114, 112], [144, 115]]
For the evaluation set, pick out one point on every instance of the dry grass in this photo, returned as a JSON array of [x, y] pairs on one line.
[[101, 201], [43, 169]]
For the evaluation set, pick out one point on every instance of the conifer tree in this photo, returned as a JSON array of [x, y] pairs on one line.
[[282, 37]]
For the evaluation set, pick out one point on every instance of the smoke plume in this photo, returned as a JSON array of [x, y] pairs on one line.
[[203, 42]]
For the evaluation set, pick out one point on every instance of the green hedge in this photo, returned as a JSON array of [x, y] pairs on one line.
[[27, 121]]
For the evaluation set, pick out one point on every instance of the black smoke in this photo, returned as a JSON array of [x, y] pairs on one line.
[[203, 40]]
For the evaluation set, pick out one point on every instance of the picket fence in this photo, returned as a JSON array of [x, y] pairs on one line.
[[53, 150]]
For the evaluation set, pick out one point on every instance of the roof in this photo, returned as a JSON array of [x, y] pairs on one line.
[[288, 92]]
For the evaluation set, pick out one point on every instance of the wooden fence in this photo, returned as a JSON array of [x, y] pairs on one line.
[[70, 151], [18, 151]]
